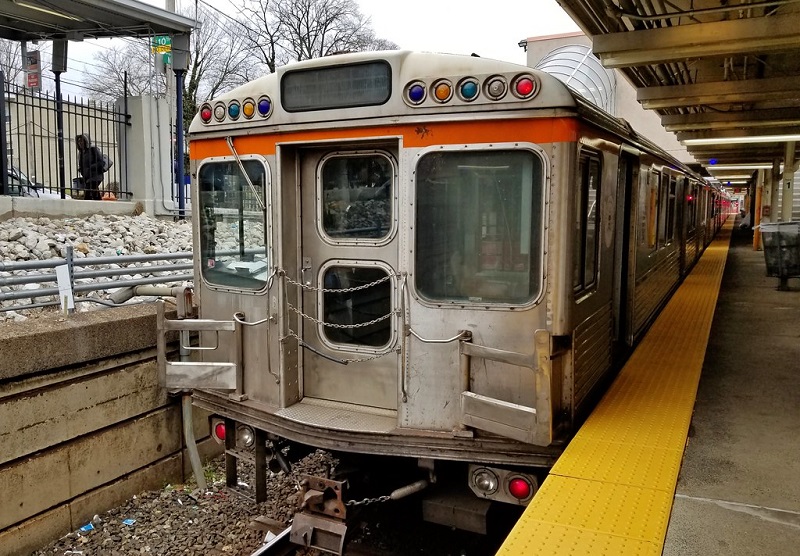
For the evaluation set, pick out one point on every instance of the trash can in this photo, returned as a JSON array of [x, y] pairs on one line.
[[782, 249]]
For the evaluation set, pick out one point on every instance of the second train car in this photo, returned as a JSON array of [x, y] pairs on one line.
[[434, 257]]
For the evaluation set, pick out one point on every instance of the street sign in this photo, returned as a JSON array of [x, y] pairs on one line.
[[34, 71], [161, 44]]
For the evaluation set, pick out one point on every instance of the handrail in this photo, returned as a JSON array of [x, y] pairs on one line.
[[92, 279]]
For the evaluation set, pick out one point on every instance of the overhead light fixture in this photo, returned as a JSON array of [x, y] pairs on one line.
[[733, 177], [743, 139], [30, 6], [716, 167]]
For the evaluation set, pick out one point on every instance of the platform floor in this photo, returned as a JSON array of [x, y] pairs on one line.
[[625, 484], [738, 492]]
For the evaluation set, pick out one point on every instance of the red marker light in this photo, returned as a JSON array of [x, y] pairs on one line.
[[219, 431], [524, 86], [205, 114], [519, 488]]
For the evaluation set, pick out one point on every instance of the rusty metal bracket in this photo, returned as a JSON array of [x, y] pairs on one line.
[[323, 496]]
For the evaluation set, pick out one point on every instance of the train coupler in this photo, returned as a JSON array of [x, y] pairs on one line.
[[321, 522]]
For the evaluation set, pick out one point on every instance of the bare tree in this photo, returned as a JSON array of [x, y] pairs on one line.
[[106, 77], [219, 60], [11, 60], [280, 31]]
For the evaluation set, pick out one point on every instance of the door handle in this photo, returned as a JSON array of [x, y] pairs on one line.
[[305, 268]]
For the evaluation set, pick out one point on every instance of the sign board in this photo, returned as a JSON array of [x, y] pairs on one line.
[[161, 44], [34, 71]]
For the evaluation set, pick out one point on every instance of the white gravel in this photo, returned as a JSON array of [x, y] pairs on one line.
[[31, 239]]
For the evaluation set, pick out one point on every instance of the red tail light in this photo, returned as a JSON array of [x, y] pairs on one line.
[[219, 430], [519, 488]]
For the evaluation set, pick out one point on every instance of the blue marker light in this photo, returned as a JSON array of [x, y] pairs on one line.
[[469, 90], [264, 106], [416, 93], [712, 161]]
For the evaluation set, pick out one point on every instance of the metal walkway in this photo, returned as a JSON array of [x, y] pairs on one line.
[[611, 492]]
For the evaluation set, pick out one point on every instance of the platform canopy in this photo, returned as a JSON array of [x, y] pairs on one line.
[[717, 72], [76, 20]]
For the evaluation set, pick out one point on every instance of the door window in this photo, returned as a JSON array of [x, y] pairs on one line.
[[357, 196], [357, 305]]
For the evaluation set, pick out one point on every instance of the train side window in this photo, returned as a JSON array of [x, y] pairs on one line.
[[233, 248], [586, 221], [691, 207], [663, 210], [671, 197], [357, 196], [652, 208], [479, 219], [346, 313]]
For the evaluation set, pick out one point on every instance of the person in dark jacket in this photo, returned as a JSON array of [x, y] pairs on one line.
[[90, 166]]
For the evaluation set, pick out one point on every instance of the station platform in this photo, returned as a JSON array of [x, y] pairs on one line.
[[694, 448]]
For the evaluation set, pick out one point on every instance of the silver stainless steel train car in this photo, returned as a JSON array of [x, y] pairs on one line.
[[437, 257]]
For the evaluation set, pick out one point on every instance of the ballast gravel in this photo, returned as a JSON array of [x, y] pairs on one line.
[[183, 520]]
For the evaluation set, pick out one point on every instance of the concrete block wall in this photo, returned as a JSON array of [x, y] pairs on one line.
[[84, 424]]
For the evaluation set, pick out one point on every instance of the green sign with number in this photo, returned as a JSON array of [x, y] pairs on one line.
[[161, 44]]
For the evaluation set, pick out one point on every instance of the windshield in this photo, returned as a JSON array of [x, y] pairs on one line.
[[233, 242], [479, 226]]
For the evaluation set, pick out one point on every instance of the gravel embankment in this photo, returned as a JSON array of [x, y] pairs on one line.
[[32, 239]]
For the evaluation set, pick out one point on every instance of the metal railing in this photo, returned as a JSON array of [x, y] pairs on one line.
[[87, 275]]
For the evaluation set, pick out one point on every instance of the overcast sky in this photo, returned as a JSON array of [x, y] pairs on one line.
[[491, 31]]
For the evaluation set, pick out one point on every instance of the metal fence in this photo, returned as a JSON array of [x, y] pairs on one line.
[[35, 284], [32, 138]]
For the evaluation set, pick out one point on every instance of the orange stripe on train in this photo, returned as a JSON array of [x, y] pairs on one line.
[[539, 130]]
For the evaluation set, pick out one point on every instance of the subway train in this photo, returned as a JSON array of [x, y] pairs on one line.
[[433, 260]]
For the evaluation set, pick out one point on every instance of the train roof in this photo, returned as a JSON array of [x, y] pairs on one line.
[[408, 67]]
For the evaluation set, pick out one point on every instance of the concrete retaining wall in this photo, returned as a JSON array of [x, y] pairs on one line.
[[88, 430]]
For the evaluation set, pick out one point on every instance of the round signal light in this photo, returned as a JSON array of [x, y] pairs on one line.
[[443, 91], [234, 109], [264, 106], [519, 488], [415, 93], [219, 430], [248, 108], [496, 88], [245, 436], [485, 481], [205, 113], [468, 89], [524, 87], [219, 112]]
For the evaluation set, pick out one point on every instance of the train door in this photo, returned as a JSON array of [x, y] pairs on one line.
[[348, 233], [628, 180]]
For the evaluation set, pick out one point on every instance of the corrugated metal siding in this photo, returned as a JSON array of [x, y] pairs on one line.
[[651, 291], [592, 352], [691, 248]]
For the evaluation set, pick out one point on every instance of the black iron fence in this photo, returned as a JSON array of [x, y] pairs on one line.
[[32, 141]]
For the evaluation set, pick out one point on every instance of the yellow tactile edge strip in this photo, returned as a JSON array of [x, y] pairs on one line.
[[611, 491]]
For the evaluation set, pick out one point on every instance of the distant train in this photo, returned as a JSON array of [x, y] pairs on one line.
[[438, 257]]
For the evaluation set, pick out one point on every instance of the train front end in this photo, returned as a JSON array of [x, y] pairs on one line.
[[372, 273]]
